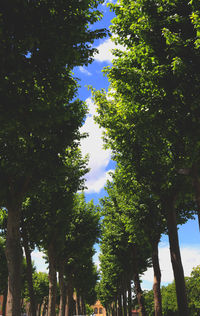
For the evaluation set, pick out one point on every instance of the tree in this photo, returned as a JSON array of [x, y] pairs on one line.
[[143, 218], [169, 296], [193, 290], [77, 255], [49, 211], [3, 273], [169, 300], [41, 289], [40, 44], [85, 291], [149, 120], [125, 250]]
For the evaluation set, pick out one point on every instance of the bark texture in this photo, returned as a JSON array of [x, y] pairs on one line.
[[78, 304], [69, 300], [139, 294], [4, 304], [29, 271], [52, 282], [136, 280], [129, 299], [62, 290], [119, 300], [14, 262], [124, 302], [176, 261], [157, 279]]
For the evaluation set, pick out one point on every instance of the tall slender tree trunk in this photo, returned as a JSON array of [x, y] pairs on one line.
[[69, 299], [139, 294], [76, 304], [78, 299], [116, 307], [129, 299], [29, 270], [124, 302], [62, 290], [39, 309], [119, 305], [83, 306], [157, 279], [44, 310], [73, 307], [4, 303], [52, 282], [136, 279], [43, 307], [176, 260], [113, 311], [14, 262]]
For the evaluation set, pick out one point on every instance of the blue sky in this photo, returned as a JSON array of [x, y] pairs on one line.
[[101, 163]]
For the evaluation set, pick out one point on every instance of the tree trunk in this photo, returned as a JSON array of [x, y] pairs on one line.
[[4, 303], [129, 299], [124, 302], [69, 305], [73, 307], [78, 299], [176, 261], [44, 310], [157, 279], [113, 311], [108, 310], [29, 271], [116, 307], [76, 304], [39, 309], [136, 279], [139, 294], [62, 290], [119, 305], [52, 282], [83, 306], [14, 262]]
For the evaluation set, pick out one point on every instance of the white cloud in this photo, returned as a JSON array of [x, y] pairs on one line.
[[84, 71], [91, 107], [94, 184], [105, 51], [93, 144], [99, 157], [39, 261], [96, 260], [190, 259]]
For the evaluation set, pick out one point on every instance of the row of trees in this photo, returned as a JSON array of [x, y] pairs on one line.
[[151, 122], [67, 241], [169, 296], [40, 282], [40, 164], [132, 226]]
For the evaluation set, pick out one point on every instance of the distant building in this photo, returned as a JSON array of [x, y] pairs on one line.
[[98, 309]]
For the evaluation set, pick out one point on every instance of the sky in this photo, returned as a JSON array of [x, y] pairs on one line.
[[101, 163]]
